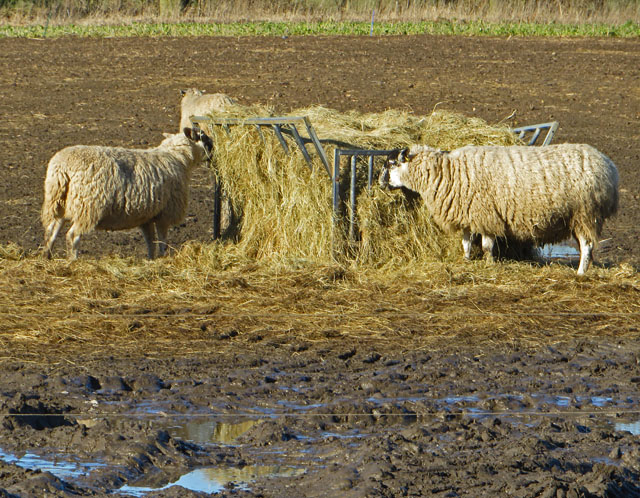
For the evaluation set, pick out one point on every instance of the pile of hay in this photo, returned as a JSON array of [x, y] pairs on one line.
[[51, 310], [284, 209]]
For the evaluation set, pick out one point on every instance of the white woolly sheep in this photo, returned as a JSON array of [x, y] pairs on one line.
[[538, 194], [112, 188], [196, 103]]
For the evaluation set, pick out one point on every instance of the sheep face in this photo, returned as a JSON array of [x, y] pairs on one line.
[[394, 170], [201, 138]]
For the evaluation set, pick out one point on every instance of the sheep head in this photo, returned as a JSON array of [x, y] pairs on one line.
[[395, 165], [191, 91], [198, 136]]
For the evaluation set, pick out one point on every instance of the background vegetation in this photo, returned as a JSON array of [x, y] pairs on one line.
[[275, 17]]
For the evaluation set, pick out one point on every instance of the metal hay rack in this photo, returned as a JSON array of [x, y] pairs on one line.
[[286, 125]]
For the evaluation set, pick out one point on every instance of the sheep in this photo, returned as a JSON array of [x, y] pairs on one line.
[[196, 103], [537, 194], [113, 188]]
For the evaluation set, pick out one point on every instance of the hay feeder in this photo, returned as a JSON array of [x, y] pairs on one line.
[[351, 179]]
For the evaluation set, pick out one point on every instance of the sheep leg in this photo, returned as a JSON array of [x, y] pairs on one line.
[[162, 229], [72, 242], [466, 243], [586, 250], [148, 232], [50, 235], [487, 246]]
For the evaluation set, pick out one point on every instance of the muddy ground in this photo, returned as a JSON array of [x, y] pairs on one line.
[[293, 417]]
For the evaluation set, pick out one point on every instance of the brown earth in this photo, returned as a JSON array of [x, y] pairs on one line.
[[337, 417]]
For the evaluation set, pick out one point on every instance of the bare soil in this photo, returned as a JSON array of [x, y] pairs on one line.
[[395, 416]]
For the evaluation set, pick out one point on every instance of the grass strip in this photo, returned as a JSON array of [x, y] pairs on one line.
[[267, 28]]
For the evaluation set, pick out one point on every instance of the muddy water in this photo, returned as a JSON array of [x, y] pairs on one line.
[[214, 480], [522, 412]]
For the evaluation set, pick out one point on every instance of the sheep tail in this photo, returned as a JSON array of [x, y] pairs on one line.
[[56, 187]]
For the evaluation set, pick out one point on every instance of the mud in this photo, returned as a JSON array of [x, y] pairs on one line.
[[286, 416], [330, 420]]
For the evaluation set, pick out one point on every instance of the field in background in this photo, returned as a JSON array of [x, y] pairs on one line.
[[262, 17]]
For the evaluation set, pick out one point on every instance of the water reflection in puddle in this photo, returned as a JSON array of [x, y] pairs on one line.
[[62, 469], [559, 251], [633, 427], [214, 479], [207, 431]]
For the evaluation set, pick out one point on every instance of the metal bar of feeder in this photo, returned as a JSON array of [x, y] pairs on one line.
[[551, 128], [278, 131], [335, 179], [352, 215], [273, 121], [281, 120], [303, 149], [353, 153], [217, 204], [316, 142], [370, 172], [552, 131], [336, 185], [535, 136]]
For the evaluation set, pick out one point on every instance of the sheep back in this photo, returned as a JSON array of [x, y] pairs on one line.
[[113, 188], [197, 103], [544, 194]]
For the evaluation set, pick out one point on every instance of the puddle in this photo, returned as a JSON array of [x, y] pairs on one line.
[[352, 434], [633, 427], [600, 401], [559, 251], [208, 431], [214, 479], [452, 400], [225, 431], [474, 402], [62, 469], [299, 407]]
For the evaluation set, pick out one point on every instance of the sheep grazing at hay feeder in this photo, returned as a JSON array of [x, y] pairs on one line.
[[112, 188], [537, 194], [284, 208]]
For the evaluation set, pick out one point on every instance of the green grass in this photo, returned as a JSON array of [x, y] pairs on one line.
[[267, 28]]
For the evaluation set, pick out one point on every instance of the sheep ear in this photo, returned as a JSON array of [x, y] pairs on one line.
[[183, 92], [392, 158], [190, 133], [403, 156]]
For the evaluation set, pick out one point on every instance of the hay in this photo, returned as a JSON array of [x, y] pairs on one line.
[[285, 209], [184, 305]]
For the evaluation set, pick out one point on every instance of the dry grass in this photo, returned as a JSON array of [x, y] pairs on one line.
[[613, 12], [183, 305]]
